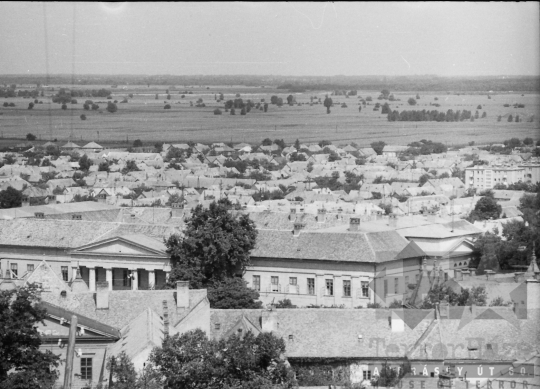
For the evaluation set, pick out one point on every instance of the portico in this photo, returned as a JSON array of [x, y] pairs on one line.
[[129, 262]]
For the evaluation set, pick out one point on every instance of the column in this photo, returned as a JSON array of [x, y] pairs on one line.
[[356, 290], [92, 278], [134, 279], [338, 290], [320, 288], [109, 277], [151, 279], [74, 267]]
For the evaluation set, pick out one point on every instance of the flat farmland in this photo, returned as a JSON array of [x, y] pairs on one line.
[[145, 118]]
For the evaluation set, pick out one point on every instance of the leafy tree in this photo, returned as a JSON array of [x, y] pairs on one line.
[[85, 163], [191, 360], [131, 166], [216, 244], [486, 208], [123, 370], [217, 111], [285, 304], [95, 107], [328, 103], [64, 107], [103, 167], [510, 118], [111, 107], [297, 144], [137, 143], [233, 293], [83, 117], [30, 137], [528, 141], [411, 101], [10, 198], [22, 364], [30, 105], [378, 147], [167, 106], [385, 93]]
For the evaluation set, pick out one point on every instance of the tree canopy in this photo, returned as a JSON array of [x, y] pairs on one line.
[[191, 360], [22, 364], [216, 245], [486, 208], [10, 198]]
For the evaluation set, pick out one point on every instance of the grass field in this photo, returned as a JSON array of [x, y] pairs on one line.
[[144, 118]]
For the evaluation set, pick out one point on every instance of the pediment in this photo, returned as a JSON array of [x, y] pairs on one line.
[[124, 246]]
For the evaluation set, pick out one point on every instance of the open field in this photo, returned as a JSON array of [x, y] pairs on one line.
[[144, 118]]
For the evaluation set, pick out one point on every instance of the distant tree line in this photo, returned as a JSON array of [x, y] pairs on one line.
[[429, 116]]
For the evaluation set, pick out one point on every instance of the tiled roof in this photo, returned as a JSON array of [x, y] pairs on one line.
[[125, 305], [68, 233], [346, 247]]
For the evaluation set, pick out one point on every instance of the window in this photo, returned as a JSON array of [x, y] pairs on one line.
[[329, 287], [257, 283], [365, 289], [293, 280], [385, 288], [396, 285], [275, 283], [446, 276], [65, 273], [367, 374], [347, 288], [30, 267], [406, 280], [14, 270], [86, 368], [311, 285], [217, 326]]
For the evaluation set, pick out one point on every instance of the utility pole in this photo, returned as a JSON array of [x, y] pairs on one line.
[[68, 375], [113, 365]]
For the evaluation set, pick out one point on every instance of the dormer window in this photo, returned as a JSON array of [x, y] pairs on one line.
[[39, 215], [76, 217]]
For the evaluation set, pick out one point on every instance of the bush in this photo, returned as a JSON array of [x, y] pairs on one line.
[[64, 107], [30, 137], [31, 105], [217, 111], [6, 104], [95, 107], [411, 101], [83, 117], [167, 106], [111, 107]]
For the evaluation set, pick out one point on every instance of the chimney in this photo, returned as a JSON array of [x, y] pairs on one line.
[[457, 275], [269, 321], [182, 294], [292, 215], [102, 295], [473, 272], [466, 273], [533, 295], [297, 228], [519, 277], [490, 275], [354, 224], [321, 215], [177, 209], [444, 310], [165, 319]]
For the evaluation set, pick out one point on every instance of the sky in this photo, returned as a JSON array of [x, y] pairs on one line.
[[312, 39]]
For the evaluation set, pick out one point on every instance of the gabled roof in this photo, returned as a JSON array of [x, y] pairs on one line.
[[140, 241], [412, 250], [92, 145]]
